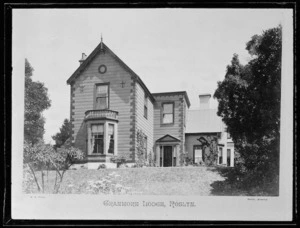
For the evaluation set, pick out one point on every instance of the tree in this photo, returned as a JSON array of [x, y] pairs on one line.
[[39, 157], [36, 101], [65, 132], [249, 104]]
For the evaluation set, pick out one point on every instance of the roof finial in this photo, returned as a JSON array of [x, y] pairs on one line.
[[101, 38]]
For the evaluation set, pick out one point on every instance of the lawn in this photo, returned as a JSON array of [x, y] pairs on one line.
[[142, 181]]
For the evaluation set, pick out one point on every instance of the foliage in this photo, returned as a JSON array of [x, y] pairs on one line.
[[65, 132], [119, 159], [122, 166], [28, 180], [209, 146], [36, 101], [249, 104], [41, 157], [102, 166], [107, 185], [151, 159], [38, 157], [142, 157]]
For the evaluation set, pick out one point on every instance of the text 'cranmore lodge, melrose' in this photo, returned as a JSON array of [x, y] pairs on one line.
[[113, 113]]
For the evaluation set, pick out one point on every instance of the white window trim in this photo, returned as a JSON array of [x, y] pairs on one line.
[[106, 138]]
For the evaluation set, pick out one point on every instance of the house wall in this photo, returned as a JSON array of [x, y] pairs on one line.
[[146, 125], [191, 141], [176, 129], [120, 100]]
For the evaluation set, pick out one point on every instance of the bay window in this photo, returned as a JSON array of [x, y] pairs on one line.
[[102, 138]]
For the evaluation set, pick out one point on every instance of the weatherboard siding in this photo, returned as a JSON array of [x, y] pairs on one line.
[[176, 129], [144, 124], [119, 100]]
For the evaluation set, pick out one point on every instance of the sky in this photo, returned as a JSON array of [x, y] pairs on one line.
[[170, 49]]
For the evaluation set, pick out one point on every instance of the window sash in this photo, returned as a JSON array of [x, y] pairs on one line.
[[145, 112], [168, 118], [101, 102], [167, 108], [111, 132], [101, 97], [98, 143], [102, 90], [168, 113], [98, 128]]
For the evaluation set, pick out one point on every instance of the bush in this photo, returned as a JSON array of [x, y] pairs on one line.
[[102, 166], [107, 185], [123, 166], [189, 161], [119, 159]]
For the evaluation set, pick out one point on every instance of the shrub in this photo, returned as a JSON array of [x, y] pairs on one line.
[[28, 180], [188, 161], [39, 157], [107, 185], [102, 166], [119, 159], [123, 166]]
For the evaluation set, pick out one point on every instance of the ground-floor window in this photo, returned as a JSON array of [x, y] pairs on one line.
[[97, 140], [101, 138], [228, 157], [220, 155], [111, 132], [198, 154]]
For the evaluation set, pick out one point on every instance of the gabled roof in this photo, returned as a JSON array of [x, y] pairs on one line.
[[89, 59], [168, 138], [184, 93], [203, 121]]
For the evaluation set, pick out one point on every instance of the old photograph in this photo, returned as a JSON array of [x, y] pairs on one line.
[[152, 102]]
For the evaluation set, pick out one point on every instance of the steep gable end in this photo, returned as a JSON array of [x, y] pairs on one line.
[[103, 48]]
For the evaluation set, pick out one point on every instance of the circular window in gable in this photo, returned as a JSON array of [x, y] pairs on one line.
[[102, 69]]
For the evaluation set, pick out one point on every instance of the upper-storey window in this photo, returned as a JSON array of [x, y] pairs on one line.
[[102, 96], [145, 107], [168, 113]]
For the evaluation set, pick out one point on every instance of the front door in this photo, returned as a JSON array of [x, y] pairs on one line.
[[167, 156]]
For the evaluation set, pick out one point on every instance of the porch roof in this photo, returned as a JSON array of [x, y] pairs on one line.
[[168, 138]]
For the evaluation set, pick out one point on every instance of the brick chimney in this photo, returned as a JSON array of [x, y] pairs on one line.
[[204, 101], [83, 57]]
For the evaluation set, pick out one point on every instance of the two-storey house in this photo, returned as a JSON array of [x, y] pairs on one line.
[[111, 109]]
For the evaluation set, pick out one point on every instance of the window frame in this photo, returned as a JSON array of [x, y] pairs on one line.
[[220, 155], [106, 138], [108, 95], [197, 146], [109, 138], [173, 112], [146, 106], [103, 139]]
